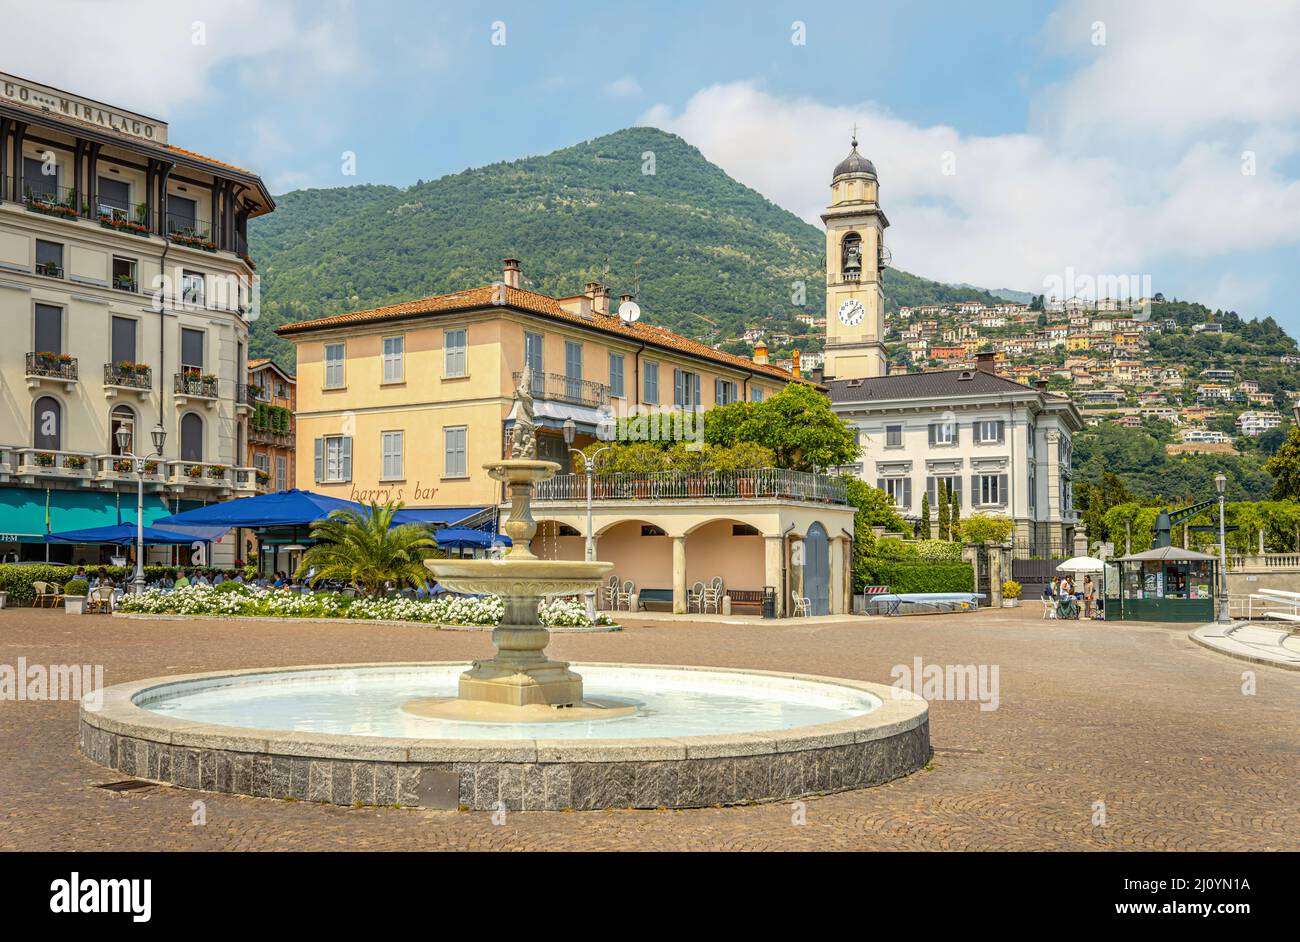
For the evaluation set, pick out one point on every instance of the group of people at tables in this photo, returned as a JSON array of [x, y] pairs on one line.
[[1073, 599]]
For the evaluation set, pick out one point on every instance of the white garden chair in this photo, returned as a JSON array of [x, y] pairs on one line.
[[802, 605]]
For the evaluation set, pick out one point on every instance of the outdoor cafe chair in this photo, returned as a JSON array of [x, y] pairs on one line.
[[100, 599], [802, 604], [713, 595], [625, 596], [610, 593], [695, 597], [48, 594]]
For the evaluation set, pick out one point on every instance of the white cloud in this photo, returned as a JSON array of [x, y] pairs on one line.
[[1132, 162], [625, 87], [155, 56]]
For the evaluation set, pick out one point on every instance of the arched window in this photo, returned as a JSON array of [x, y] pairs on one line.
[[121, 416], [852, 253], [191, 437], [47, 424]]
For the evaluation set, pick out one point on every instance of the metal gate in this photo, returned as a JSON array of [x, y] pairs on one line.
[[1033, 575], [817, 569], [982, 574]]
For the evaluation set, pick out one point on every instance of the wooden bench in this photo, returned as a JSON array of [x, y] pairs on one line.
[[655, 597], [746, 597]]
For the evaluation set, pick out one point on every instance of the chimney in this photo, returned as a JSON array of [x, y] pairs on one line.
[[794, 365], [510, 272], [985, 362], [1040, 384], [599, 296], [760, 353]]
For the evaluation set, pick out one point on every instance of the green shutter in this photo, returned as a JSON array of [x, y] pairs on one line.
[[320, 459]]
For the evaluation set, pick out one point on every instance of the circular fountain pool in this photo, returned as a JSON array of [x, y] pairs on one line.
[[341, 733]]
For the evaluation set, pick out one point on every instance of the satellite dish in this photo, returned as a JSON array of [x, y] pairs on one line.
[[629, 311]]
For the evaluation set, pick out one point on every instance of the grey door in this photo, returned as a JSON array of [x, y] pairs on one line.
[[817, 569]]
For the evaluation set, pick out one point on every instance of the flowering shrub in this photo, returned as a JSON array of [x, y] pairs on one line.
[[939, 551], [231, 598]]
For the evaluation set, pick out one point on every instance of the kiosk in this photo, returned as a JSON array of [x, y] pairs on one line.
[[1161, 584]]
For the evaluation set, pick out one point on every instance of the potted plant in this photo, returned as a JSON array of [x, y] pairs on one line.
[[74, 596], [194, 471], [122, 465], [45, 459], [216, 471], [1011, 594], [74, 462]]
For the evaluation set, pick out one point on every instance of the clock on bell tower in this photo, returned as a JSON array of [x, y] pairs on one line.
[[855, 246]]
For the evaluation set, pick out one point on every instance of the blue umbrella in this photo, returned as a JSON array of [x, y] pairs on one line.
[[293, 508], [465, 538], [123, 534]]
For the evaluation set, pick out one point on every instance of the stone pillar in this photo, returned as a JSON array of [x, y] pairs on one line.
[[772, 552], [679, 575], [1081, 540], [837, 576]]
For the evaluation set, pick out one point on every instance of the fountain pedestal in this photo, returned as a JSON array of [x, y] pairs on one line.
[[520, 676]]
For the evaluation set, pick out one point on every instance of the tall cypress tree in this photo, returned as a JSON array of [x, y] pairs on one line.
[[944, 521], [954, 517], [925, 516]]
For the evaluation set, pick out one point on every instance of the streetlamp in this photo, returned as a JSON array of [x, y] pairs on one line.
[[1220, 487], [124, 445], [589, 462]]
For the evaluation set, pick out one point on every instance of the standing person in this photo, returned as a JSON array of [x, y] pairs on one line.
[[1089, 593]]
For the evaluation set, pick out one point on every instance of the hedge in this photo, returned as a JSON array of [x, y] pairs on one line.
[[17, 581], [914, 577]]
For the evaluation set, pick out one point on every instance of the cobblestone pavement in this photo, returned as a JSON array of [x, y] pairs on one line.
[[1135, 716]]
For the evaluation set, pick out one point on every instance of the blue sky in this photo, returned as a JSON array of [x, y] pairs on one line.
[[1016, 142]]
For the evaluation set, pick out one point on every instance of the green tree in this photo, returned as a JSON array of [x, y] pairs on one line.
[[981, 528], [954, 516], [1285, 467], [365, 550], [797, 424], [945, 512], [925, 516]]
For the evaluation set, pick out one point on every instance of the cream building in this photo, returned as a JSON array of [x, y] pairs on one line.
[[408, 402], [126, 291]]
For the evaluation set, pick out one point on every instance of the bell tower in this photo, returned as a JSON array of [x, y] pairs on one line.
[[855, 248]]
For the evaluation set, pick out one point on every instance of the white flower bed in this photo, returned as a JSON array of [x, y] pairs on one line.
[[277, 603]]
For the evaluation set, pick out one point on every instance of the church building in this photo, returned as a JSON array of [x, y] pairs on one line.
[[1000, 446]]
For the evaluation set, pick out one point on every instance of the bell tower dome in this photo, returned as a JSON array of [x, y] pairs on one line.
[[855, 248]]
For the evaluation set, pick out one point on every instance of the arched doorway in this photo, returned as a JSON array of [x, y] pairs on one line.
[[817, 569], [121, 417]]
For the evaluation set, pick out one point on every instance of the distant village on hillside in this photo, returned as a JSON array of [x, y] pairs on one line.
[[1099, 352]]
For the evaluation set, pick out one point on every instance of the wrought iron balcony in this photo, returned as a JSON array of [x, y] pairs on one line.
[[128, 376], [560, 388], [57, 366], [197, 385], [744, 484]]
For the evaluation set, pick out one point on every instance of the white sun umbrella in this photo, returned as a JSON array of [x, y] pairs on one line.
[[1081, 564]]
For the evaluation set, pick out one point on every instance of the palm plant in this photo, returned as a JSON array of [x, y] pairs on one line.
[[364, 549]]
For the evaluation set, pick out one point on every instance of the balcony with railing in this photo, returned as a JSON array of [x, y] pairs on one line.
[[126, 377], [181, 475], [183, 229], [111, 470], [558, 387], [45, 366], [246, 397], [749, 484], [63, 202], [199, 387], [48, 463]]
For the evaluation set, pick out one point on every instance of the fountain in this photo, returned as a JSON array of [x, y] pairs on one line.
[[520, 684], [519, 730]]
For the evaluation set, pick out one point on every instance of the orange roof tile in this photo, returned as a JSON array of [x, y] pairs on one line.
[[502, 296]]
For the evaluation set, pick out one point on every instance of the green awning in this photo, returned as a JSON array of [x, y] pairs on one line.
[[22, 511]]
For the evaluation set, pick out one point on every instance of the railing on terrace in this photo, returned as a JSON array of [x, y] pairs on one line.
[[246, 394], [560, 388], [195, 384], [1261, 561], [65, 202], [131, 376], [714, 485], [270, 436], [52, 365]]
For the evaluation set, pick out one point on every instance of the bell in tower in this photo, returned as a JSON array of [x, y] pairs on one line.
[[851, 261]]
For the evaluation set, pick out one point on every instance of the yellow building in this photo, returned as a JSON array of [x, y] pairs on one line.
[[408, 402]]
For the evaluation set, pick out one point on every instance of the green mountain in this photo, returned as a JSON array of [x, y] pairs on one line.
[[704, 254]]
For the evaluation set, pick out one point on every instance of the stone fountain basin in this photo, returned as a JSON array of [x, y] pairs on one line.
[[684, 771], [513, 575]]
